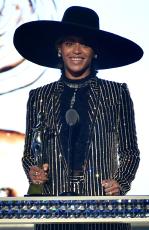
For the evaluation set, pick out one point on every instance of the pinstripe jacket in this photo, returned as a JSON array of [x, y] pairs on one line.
[[111, 148]]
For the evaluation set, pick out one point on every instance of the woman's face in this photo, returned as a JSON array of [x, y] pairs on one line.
[[77, 57]]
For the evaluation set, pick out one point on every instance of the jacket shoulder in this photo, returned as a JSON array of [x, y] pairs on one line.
[[44, 88], [111, 91], [108, 83]]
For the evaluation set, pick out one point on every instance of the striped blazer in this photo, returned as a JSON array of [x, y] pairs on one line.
[[111, 148]]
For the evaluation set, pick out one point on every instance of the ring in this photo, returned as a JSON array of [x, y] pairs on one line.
[[38, 182], [35, 174]]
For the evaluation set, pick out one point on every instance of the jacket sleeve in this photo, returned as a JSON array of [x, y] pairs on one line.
[[127, 142], [28, 158]]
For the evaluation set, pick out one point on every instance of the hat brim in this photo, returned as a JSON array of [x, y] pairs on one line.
[[36, 42]]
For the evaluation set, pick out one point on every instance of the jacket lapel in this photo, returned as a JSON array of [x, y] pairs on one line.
[[57, 120], [94, 103]]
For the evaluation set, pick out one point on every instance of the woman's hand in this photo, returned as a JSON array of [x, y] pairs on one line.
[[111, 187], [39, 175]]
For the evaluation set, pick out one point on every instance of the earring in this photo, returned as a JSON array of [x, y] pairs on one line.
[[59, 53], [96, 56]]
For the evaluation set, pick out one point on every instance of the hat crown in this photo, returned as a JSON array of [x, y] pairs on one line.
[[81, 16]]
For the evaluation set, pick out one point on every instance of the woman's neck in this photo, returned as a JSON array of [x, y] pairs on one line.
[[77, 76], [77, 81]]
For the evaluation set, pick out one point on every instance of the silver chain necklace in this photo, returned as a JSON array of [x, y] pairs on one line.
[[73, 99]]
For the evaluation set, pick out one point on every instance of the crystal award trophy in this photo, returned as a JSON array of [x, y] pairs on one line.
[[37, 149]]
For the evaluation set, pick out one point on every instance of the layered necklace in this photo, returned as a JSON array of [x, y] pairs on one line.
[[72, 116]]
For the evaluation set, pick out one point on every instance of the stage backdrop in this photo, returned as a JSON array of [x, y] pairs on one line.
[[18, 76]]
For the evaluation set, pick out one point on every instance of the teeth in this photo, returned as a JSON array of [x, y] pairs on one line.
[[76, 59]]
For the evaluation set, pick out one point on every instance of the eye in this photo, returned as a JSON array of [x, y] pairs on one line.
[[68, 43], [84, 45]]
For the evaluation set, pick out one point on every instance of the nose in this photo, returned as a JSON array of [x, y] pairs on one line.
[[77, 48]]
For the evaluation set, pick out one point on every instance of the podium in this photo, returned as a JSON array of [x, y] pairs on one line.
[[75, 209]]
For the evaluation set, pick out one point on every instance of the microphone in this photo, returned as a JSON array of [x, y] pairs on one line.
[[72, 117]]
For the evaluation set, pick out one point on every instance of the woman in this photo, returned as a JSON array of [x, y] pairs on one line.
[[80, 135]]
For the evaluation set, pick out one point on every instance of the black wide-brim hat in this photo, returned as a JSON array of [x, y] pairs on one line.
[[36, 40]]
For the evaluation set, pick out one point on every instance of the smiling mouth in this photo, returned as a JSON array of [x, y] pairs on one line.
[[76, 59]]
